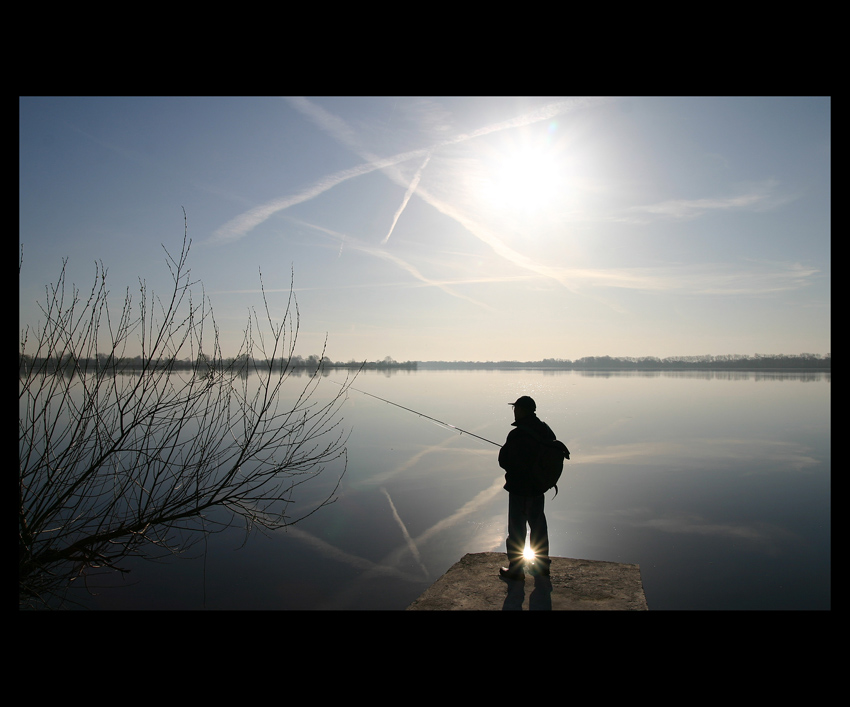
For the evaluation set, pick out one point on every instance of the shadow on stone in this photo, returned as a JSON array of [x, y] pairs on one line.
[[473, 584]]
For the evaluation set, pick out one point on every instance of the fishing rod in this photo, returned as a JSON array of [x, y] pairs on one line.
[[422, 414]]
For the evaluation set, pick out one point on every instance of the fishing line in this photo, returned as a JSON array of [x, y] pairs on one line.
[[422, 414]]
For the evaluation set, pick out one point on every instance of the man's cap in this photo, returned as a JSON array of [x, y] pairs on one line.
[[525, 403]]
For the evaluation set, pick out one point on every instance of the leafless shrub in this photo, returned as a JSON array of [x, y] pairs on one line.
[[124, 457]]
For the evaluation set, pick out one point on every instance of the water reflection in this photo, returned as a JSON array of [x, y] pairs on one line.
[[801, 376], [411, 544], [719, 489]]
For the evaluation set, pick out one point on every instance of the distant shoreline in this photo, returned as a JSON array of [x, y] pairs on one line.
[[802, 362], [823, 369], [649, 364]]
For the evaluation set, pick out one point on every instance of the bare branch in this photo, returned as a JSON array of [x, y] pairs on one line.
[[133, 456]]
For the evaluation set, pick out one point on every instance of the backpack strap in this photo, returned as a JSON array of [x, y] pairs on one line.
[[537, 436]]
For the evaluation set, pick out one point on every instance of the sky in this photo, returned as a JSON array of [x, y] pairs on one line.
[[448, 228]]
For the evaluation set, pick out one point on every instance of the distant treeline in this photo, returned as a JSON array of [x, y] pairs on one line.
[[202, 363], [648, 363], [312, 363]]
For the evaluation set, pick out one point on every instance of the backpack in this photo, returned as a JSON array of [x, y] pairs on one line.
[[548, 462]]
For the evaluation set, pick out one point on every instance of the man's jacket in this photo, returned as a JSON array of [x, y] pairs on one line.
[[518, 453]]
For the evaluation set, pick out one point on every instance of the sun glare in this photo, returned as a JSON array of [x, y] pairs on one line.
[[528, 553], [527, 179]]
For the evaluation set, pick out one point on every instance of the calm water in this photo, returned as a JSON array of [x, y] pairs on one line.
[[716, 484]]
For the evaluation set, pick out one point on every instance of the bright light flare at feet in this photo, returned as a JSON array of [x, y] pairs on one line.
[[528, 553]]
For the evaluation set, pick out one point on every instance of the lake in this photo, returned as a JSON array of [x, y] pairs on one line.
[[716, 483]]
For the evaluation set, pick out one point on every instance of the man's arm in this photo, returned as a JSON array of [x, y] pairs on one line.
[[510, 455]]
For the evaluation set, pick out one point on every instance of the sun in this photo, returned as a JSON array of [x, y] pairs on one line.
[[525, 179]]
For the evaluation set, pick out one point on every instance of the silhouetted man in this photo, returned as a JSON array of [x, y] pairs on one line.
[[525, 499]]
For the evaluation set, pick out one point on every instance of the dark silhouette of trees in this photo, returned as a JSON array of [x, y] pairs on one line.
[[804, 361], [126, 455]]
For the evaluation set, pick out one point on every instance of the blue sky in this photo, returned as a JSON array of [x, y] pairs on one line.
[[451, 228]]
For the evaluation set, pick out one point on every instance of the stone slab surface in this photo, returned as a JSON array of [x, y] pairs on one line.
[[473, 584]]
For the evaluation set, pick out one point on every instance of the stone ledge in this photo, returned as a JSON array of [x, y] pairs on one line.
[[473, 584]]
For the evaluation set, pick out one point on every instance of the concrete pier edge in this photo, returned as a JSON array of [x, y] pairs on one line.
[[473, 584]]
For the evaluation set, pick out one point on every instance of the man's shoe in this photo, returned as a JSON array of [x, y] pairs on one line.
[[513, 573]]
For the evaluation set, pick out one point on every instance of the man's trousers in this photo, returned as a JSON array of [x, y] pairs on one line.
[[522, 511]]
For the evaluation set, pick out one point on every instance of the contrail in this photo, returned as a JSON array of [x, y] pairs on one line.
[[482, 499], [359, 563], [410, 544], [412, 188], [572, 279], [384, 255], [242, 224], [419, 276], [340, 131], [238, 227]]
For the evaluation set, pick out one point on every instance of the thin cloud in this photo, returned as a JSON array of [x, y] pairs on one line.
[[756, 197], [781, 457], [131, 155], [780, 278], [765, 537], [711, 279]]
